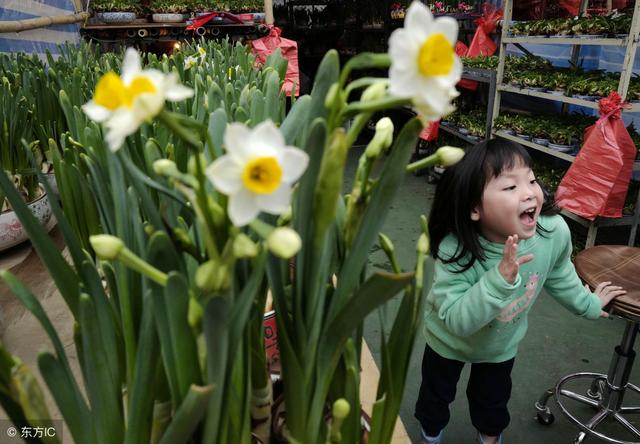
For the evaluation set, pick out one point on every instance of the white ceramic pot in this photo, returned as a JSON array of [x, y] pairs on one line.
[[168, 17], [11, 230]]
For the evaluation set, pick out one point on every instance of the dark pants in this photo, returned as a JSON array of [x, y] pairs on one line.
[[488, 392]]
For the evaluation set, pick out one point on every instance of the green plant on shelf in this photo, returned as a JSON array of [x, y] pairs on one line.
[[562, 135], [115, 6], [169, 6]]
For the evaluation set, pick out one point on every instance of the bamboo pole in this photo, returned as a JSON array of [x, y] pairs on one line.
[[41, 22], [268, 12]]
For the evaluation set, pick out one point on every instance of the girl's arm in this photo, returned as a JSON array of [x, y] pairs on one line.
[[468, 301], [563, 282]]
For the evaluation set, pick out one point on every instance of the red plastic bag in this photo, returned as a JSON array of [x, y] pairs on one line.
[[265, 46], [430, 132], [598, 180], [482, 43]]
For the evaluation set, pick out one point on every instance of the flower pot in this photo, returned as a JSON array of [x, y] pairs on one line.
[[560, 147], [115, 17], [541, 141], [162, 17], [509, 131], [557, 92], [523, 136], [11, 230], [537, 88], [473, 138], [463, 130], [586, 97]]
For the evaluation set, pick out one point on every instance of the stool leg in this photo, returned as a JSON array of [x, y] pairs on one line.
[[592, 424], [620, 368], [627, 424]]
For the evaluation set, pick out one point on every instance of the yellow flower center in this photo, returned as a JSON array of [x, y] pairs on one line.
[[262, 175], [112, 93], [436, 56]]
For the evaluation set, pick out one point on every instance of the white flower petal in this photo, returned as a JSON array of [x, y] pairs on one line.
[[418, 18], [225, 174], [147, 106], [236, 136], [403, 83], [177, 92], [403, 49], [293, 162], [266, 134], [242, 207], [122, 124], [96, 112], [131, 65], [453, 77], [276, 202], [447, 26]]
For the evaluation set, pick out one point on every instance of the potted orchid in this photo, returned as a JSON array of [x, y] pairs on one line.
[[216, 196]]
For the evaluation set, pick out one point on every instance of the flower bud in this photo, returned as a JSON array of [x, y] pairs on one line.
[[422, 246], [386, 243], [382, 138], [284, 242], [449, 155], [107, 247], [374, 92], [331, 96], [340, 409], [243, 246], [212, 276], [165, 167]]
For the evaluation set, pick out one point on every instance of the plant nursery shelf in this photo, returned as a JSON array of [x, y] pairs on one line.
[[635, 107], [455, 132], [567, 41], [535, 146], [478, 74], [599, 221]]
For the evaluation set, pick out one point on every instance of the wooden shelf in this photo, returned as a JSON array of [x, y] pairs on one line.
[[478, 74]]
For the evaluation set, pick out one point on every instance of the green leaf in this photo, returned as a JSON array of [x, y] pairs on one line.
[[217, 126], [294, 123], [103, 392], [188, 415]]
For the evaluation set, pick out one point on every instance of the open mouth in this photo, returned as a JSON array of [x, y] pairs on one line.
[[528, 216]]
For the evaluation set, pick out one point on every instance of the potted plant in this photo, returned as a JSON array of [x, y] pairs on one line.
[[17, 120], [115, 11], [561, 138], [169, 11]]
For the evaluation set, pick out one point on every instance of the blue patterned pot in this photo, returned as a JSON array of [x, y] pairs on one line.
[[116, 18]]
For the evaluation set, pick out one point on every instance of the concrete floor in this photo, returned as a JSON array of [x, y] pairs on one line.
[[558, 343]]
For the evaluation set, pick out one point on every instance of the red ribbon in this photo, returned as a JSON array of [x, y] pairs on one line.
[[612, 105]]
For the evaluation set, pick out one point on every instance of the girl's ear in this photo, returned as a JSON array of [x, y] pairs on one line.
[[475, 214]]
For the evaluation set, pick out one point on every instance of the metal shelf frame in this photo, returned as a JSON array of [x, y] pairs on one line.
[[630, 43]]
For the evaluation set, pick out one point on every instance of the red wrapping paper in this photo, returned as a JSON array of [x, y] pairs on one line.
[[265, 46], [597, 182]]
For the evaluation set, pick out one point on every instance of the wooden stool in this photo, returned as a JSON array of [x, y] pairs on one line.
[[621, 266]]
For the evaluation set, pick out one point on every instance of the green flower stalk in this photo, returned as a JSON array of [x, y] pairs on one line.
[[390, 251], [110, 248], [445, 156], [244, 247]]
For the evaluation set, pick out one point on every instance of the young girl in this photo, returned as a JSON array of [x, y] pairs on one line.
[[496, 247]]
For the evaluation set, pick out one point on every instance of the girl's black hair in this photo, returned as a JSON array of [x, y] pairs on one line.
[[460, 190]]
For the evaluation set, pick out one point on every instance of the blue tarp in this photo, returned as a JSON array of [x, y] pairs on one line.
[[37, 40]]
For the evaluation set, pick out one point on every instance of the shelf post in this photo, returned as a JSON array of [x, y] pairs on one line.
[[630, 52]]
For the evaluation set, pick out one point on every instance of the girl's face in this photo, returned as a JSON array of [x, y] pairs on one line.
[[511, 204]]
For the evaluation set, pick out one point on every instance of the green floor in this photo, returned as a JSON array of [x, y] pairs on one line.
[[557, 343]]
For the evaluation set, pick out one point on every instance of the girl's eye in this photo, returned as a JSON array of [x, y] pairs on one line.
[[511, 188], [533, 181]]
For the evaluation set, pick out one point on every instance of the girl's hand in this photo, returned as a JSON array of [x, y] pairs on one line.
[[510, 263], [605, 291]]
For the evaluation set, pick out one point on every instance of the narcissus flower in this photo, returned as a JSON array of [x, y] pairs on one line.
[[124, 102], [257, 172], [190, 62], [424, 65]]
